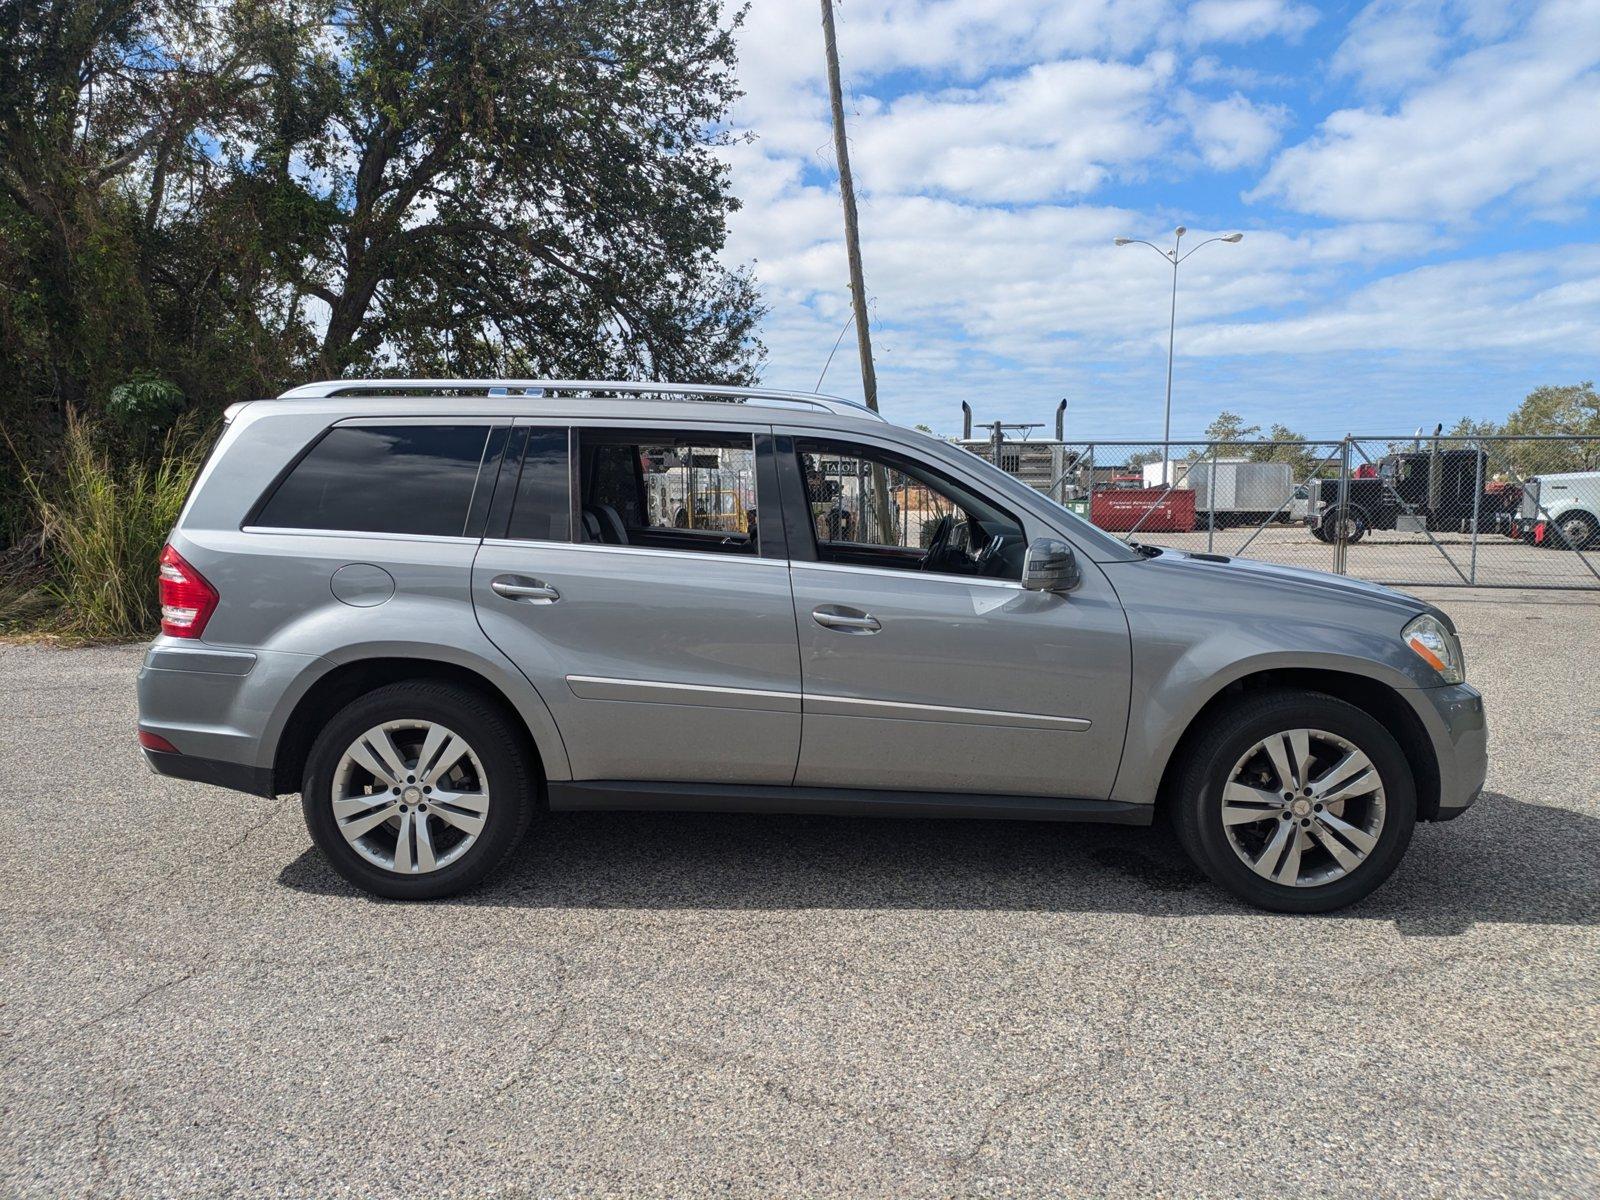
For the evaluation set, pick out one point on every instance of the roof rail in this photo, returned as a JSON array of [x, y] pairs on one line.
[[718, 392]]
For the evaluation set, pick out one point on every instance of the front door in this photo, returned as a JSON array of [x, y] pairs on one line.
[[651, 613], [925, 663]]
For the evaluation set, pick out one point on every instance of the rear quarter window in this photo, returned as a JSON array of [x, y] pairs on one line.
[[415, 479]]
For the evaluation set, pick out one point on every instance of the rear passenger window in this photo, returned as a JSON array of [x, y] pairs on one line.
[[416, 479], [694, 491]]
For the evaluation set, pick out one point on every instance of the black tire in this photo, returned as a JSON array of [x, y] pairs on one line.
[[1228, 735], [1330, 526], [494, 739], [1579, 530]]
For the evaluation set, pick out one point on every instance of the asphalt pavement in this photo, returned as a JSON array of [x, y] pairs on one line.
[[193, 1004]]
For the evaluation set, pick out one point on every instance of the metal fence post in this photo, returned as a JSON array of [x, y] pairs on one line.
[[1477, 513], [1089, 454], [1211, 504], [1341, 547]]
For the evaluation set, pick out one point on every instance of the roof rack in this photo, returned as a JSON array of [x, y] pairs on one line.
[[717, 392]]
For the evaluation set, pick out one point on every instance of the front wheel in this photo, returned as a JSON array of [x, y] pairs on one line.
[[1347, 527], [417, 790], [1295, 801]]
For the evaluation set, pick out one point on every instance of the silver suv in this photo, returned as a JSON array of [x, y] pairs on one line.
[[435, 607]]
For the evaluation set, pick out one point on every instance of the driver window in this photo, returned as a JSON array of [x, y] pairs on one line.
[[872, 508]]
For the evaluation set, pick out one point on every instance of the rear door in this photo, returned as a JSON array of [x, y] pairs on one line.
[[926, 664], [636, 576]]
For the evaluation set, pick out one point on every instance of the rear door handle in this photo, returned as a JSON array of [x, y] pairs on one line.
[[845, 620], [521, 588]]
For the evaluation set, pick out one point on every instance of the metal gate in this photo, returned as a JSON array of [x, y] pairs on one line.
[[1498, 512]]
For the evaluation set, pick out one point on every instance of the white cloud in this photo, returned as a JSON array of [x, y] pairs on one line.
[[1392, 44], [1517, 120], [1234, 132], [1525, 301], [1247, 20], [1058, 129]]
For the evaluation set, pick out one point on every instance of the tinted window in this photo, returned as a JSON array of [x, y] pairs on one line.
[[694, 491], [382, 479], [541, 511]]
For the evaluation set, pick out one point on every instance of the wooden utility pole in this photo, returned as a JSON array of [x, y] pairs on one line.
[[847, 191], [887, 533]]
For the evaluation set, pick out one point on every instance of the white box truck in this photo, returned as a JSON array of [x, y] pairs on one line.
[[1244, 491]]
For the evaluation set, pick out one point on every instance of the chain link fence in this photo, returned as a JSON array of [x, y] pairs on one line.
[[1512, 512]]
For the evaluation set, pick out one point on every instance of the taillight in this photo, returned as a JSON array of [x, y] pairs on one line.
[[154, 741], [187, 600]]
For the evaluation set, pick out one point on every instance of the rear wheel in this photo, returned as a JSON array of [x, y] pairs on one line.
[[1295, 801], [417, 790]]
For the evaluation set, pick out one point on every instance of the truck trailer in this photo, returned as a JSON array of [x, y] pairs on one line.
[[1230, 491]]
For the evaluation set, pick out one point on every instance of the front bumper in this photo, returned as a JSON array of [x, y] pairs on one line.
[[1456, 723]]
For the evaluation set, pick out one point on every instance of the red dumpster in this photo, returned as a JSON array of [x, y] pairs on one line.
[[1151, 510]]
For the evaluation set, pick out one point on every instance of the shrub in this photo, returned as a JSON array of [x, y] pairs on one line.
[[103, 522]]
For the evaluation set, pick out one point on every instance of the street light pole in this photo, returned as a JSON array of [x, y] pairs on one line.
[[1172, 333], [1173, 257]]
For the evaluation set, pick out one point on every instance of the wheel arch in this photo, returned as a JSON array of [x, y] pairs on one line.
[[344, 682], [1373, 696]]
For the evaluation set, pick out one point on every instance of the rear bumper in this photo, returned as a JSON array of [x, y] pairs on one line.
[[216, 705], [237, 776]]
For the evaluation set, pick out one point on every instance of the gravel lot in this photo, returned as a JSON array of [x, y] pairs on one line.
[[195, 1005]]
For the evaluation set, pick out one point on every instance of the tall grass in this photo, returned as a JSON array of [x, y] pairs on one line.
[[103, 522]]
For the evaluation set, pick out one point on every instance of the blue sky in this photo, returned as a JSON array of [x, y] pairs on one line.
[[1418, 186]]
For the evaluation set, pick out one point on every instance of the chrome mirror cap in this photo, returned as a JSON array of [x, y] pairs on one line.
[[1050, 566]]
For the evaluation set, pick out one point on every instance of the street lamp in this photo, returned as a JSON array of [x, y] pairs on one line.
[[1173, 257]]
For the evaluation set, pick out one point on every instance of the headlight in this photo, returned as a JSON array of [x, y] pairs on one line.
[[1435, 645]]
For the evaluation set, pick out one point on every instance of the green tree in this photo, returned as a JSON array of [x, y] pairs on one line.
[[200, 203], [482, 187], [1230, 427]]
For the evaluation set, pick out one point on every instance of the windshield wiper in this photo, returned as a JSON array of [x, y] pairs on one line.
[[1147, 551]]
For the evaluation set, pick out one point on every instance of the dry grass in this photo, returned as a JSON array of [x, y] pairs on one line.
[[103, 521]]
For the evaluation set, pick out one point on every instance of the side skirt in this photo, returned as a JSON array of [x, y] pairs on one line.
[[633, 796]]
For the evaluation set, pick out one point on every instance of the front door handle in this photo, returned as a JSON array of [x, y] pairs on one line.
[[845, 620], [528, 591]]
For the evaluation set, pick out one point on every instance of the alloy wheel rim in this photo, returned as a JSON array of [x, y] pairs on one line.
[[410, 796], [1303, 807]]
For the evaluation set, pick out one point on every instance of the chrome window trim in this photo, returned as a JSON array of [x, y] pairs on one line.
[[644, 551], [362, 533], [929, 576]]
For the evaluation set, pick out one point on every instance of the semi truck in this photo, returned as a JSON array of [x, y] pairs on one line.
[[1433, 490], [1560, 510]]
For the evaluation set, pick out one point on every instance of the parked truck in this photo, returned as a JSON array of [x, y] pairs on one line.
[[1230, 491], [1561, 510], [1432, 490]]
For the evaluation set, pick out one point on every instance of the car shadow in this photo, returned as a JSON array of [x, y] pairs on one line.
[[1503, 861]]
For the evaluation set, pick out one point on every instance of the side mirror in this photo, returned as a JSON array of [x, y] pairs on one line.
[[1050, 566]]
